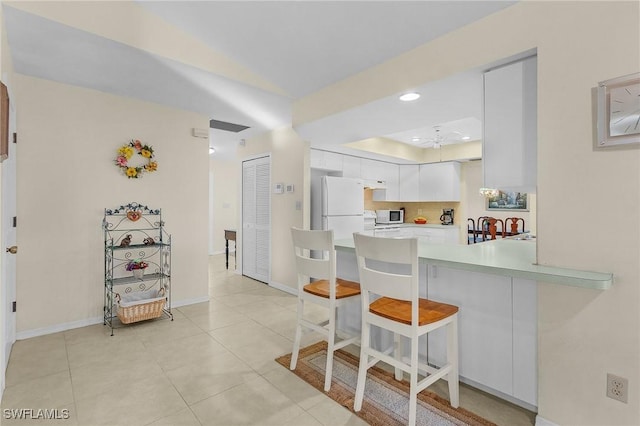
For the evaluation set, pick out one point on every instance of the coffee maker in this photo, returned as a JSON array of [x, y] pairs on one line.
[[447, 217]]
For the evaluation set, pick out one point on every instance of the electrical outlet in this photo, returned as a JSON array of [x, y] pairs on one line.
[[617, 387]]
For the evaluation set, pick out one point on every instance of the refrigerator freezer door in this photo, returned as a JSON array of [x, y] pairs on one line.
[[342, 196], [343, 226]]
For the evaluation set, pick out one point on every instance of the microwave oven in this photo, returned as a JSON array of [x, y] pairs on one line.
[[389, 216]]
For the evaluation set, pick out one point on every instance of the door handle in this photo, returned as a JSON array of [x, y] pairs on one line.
[[12, 249]]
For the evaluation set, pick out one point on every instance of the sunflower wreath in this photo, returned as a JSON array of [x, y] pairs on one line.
[[125, 152]]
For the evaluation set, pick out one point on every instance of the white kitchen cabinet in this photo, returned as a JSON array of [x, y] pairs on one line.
[[439, 182], [351, 166], [390, 178], [325, 160], [439, 235], [409, 175], [484, 325], [525, 336], [509, 147], [371, 170]]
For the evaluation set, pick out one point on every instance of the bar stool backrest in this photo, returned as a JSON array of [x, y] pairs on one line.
[[374, 254]]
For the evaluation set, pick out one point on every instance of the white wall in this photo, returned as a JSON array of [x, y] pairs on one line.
[[583, 334], [66, 178], [289, 165]]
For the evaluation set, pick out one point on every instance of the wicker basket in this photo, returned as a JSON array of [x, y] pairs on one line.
[[141, 310]]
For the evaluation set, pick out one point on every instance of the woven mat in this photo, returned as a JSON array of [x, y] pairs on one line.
[[386, 401]]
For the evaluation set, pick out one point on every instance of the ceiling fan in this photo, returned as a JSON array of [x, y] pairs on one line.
[[442, 139]]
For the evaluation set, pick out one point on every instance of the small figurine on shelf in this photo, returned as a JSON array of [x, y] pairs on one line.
[[126, 241], [148, 241]]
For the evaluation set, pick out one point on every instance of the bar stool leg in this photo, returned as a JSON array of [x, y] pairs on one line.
[[331, 340], [452, 359], [363, 366], [296, 340], [397, 354], [413, 390]]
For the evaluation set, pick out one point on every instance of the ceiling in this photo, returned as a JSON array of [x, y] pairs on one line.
[[298, 46]]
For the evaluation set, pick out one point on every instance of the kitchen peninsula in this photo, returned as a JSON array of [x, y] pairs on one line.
[[495, 286]]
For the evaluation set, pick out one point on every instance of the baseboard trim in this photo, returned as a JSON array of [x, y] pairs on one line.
[[27, 334], [541, 421], [284, 287], [221, 252], [187, 302]]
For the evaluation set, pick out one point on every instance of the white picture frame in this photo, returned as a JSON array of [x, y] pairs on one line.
[[622, 126]]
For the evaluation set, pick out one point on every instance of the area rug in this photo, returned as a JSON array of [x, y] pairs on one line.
[[386, 401]]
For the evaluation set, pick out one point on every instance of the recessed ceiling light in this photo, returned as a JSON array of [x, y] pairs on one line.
[[211, 150], [415, 139], [412, 96], [466, 138]]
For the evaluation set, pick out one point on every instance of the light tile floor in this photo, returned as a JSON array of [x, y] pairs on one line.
[[213, 365]]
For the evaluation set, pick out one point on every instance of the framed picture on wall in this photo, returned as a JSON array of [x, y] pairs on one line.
[[514, 201]]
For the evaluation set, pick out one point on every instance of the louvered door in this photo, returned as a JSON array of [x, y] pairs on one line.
[[256, 218]]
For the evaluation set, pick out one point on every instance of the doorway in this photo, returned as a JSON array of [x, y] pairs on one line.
[[256, 218], [8, 233]]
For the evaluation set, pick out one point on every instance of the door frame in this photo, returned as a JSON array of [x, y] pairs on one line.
[[8, 236], [239, 253]]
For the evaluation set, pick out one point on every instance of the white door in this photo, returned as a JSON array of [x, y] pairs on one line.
[[8, 208], [256, 218]]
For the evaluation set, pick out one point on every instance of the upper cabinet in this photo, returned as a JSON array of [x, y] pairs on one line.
[[389, 175], [325, 160], [350, 166], [393, 182], [440, 182], [409, 175], [509, 154]]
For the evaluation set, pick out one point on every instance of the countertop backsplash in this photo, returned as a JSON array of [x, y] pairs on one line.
[[430, 210]]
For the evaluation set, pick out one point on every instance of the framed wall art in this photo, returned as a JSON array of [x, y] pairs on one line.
[[619, 111], [513, 201]]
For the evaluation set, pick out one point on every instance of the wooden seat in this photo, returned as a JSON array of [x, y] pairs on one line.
[[388, 270], [344, 288], [327, 291], [400, 310]]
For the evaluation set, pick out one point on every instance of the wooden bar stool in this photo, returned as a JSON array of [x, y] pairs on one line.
[[327, 291], [400, 310]]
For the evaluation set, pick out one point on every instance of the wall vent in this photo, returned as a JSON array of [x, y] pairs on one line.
[[224, 125]]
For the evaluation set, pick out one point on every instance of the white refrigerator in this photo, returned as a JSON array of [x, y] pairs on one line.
[[342, 206]]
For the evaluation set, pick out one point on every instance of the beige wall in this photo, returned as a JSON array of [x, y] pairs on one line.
[[583, 334], [224, 201], [67, 177], [289, 165]]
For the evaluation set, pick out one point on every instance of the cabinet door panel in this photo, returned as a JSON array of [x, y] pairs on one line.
[[484, 325], [409, 177], [525, 335], [510, 118], [440, 182], [351, 167]]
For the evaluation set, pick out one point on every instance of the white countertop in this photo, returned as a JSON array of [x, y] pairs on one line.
[[415, 225], [515, 258]]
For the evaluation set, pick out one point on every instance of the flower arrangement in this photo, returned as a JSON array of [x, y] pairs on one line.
[[125, 152], [136, 264]]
